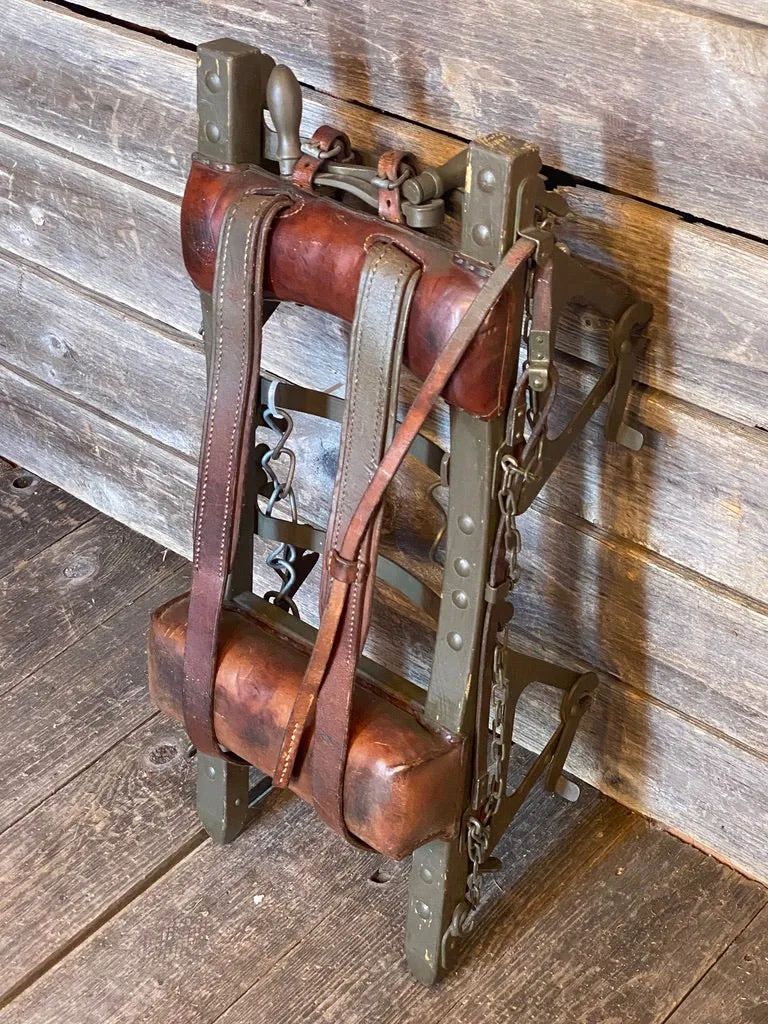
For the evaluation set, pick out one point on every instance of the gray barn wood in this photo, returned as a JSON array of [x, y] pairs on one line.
[[654, 567], [638, 126]]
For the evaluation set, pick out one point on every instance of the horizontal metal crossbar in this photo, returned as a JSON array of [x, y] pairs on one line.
[[312, 538], [296, 398]]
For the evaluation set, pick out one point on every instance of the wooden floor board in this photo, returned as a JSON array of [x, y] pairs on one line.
[[83, 852], [588, 934], [65, 716], [185, 949], [33, 515], [735, 989], [67, 589]]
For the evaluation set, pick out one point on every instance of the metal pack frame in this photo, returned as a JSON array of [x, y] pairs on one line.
[[475, 680]]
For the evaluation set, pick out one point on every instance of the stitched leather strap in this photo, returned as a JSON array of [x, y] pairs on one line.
[[386, 288], [226, 444], [350, 547]]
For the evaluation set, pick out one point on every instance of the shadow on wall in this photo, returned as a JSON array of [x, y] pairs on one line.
[[583, 598]]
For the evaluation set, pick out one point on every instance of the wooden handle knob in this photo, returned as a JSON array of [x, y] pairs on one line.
[[284, 103]]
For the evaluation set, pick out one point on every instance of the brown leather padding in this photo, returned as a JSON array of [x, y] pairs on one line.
[[316, 256], [403, 781]]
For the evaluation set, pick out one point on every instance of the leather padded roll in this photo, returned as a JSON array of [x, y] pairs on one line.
[[403, 781], [317, 251]]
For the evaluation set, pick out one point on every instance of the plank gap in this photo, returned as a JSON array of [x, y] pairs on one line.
[[151, 878], [83, 11]]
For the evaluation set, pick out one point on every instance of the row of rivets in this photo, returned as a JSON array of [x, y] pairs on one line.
[[211, 129], [481, 233]]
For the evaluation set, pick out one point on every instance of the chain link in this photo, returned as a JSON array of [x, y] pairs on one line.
[[283, 558]]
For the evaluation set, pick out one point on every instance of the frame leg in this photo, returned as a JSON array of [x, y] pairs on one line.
[[437, 885], [222, 797]]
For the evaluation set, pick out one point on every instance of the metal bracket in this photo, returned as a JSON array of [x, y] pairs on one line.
[[224, 797], [522, 670]]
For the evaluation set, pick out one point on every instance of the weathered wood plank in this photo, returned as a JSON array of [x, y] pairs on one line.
[[707, 789], [33, 515], [231, 914], [67, 589], [199, 936], [123, 366], [92, 845], [65, 215], [693, 494], [605, 602], [638, 127], [736, 987], [708, 342], [68, 714], [657, 760], [586, 934], [130, 107]]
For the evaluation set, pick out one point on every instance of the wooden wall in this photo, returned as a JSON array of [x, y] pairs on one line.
[[651, 567]]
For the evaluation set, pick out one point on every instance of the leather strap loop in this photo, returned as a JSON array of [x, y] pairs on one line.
[[226, 444], [329, 144], [386, 288]]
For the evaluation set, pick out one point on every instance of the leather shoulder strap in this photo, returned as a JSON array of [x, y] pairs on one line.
[[227, 438], [343, 566], [386, 288]]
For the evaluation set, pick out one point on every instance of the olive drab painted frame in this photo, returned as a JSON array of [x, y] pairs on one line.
[[495, 468]]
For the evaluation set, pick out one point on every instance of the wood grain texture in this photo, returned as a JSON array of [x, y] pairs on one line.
[[693, 494], [130, 108], [199, 937], [91, 845], [65, 215], [126, 367], [69, 713], [638, 127], [736, 987], [33, 515], [67, 589], [655, 759], [581, 929]]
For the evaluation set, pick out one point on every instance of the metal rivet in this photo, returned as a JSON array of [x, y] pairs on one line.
[[212, 771], [213, 81], [486, 180], [462, 567], [423, 910], [455, 641], [460, 599], [426, 875], [238, 801], [481, 234], [466, 524], [212, 132]]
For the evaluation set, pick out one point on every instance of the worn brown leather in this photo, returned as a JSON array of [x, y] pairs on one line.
[[316, 257], [327, 139], [391, 165], [402, 786], [343, 565], [376, 350], [226, 444]]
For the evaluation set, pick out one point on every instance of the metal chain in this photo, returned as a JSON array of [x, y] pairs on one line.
[[525, 406], [283, 558]]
